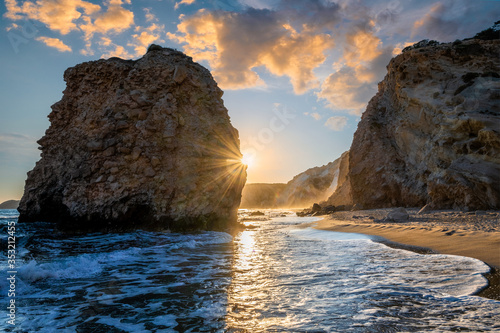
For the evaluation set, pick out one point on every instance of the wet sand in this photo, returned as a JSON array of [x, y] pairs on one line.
[[470, 234]]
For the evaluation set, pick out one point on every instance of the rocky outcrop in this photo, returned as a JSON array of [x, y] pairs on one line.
[[137, 144], [431, 135], [310, 186], [9, 204], [340, 195]]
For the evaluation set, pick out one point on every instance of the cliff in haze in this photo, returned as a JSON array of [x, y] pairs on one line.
[[313, 185], [9, 204], [431, 135], [261, 195], [137, 144]]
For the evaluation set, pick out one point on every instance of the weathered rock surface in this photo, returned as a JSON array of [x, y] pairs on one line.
[[341, 193], [431, 135], [137, 144]]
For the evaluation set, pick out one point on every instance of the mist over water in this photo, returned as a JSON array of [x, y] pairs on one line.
[[279, 276]]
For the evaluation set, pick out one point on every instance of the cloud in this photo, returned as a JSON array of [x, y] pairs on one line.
[[65, 16], [183, 2], [359, 69], [18, 144], [316, 115], [448, 20], [336, 123], [58, 15], [55, 43], [236, 43], [117, 51]]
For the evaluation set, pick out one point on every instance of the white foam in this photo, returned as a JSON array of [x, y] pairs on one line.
[[76, 267]]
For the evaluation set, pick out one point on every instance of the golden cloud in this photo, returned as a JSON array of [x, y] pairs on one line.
[[58, 15], [235, 44], [55, 43], [184, 2], [64, 16]]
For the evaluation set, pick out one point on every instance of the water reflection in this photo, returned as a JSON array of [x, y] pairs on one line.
[[288, 281]]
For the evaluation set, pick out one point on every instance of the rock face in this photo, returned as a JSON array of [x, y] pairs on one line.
[[431, 135], [310, 186], [137, 144], [341, 193]]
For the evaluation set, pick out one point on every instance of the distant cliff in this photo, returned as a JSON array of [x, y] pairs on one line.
[[261, 195], [137, 144], [9, 204], [431, 135], [313, 185]]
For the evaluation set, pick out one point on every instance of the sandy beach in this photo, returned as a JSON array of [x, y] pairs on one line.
[[470, 234]]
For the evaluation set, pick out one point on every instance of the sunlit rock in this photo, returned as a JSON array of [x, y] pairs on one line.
[[137, 144], [431, 135]]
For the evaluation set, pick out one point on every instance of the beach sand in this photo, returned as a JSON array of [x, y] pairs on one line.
[[470, 234]]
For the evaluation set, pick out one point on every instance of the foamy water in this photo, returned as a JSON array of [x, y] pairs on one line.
[[279, 276]]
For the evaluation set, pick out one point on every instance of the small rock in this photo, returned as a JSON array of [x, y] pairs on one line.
[[149, 172], [136, 152], [316, 208], [398, 214]]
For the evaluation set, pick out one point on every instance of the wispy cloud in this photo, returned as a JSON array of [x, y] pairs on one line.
[[15, 146], [55, 43], [336, 123], [183, 2]]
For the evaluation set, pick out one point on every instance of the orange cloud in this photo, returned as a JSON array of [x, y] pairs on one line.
[[118, 51], [64, 16], [184, 2], [58, 15], [235, 44], [55, 43]]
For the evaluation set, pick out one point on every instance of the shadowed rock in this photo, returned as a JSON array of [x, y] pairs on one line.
[[137, 144]]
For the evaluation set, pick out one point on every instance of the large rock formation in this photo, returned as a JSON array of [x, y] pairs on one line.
[[137, 144], [431, 135]]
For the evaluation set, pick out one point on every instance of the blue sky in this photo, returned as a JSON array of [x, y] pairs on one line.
[[296, 74]]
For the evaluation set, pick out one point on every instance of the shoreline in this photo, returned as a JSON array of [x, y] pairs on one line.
[[441, 232]]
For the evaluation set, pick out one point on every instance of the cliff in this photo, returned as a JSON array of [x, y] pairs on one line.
[[431, 135], [137, 144], [261, 195], [308, 187], [340, 195]]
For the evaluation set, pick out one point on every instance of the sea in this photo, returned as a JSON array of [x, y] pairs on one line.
[[279, 275]]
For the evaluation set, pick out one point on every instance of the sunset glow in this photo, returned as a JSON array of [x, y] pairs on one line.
[[320, 61]]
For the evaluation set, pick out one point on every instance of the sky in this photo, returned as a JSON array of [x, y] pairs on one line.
[[296, 74]]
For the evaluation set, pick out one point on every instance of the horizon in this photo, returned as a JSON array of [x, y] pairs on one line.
[[296, 75]]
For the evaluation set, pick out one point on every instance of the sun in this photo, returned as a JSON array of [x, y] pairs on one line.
[[248, 160]]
